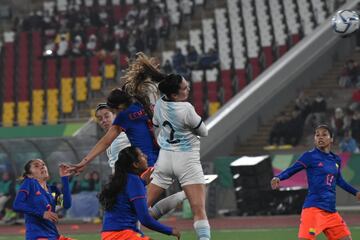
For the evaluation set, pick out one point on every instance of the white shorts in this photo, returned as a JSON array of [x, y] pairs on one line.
[[185, 166]]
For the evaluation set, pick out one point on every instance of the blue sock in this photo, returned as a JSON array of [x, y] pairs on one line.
[[202, 228]]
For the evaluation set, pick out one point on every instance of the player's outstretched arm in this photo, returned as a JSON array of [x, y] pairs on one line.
[[100, 147]]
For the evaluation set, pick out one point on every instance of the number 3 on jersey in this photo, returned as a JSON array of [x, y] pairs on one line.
[[171, 140]]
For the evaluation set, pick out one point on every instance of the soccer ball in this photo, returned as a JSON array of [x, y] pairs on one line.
[[345, 22]]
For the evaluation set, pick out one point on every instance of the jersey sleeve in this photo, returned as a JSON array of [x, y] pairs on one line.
[[135, 188], [299, 165], [22, 202], [66, 192], [192, 119], [340, 181], [142, 213], [120, 120]]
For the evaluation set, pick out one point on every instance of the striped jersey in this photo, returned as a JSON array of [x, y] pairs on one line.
[[177, 122]]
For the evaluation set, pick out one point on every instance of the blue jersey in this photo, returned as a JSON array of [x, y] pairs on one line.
[[33, 201], [131, 207], [138, 127], [323, 172]]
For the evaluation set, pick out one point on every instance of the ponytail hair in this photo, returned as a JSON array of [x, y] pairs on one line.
[[118, 97], [170, 85], [140, 80], [118, 180]]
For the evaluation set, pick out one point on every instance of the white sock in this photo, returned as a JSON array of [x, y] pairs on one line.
[[167, 204], [202, 228]]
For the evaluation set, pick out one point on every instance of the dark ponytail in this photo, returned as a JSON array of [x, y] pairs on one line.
[[118, 180], [170, 85], [117, 97]]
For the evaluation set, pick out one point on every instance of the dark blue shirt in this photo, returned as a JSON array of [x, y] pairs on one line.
[[323, 172], [131, 207], [136, 124], [33, 201]]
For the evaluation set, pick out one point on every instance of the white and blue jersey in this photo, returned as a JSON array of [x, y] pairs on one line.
[[178, 123], [116, 146]]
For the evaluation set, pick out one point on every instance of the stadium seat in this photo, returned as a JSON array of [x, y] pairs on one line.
[[23, 113], [80, 80], [8, 115], [38, 107], [110, 68], [95, 78]]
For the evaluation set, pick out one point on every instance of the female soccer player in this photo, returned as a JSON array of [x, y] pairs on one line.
[[178, 127], [37, 200], [323, 169], [124, 200], [105, 119]]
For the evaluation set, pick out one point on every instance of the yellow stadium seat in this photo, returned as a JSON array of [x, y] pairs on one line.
[[110, 71], [213, 107], [95, 83], [23, 113], [38, 107], [81, 89], [52, 106], [8, 114], [67, 102]]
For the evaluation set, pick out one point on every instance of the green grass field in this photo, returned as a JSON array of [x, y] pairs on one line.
[[254, 234]]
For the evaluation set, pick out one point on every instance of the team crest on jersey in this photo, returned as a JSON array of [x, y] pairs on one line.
[[312, 231], [38, 193], [320, 164]]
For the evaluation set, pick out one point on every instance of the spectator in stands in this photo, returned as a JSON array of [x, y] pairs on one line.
[[317, 111], [95, 183], [355, 98], [294, 128], [63, 46], [350, 74], [209, 60], [339, 122], [7, 194], [348, 143], [151, 39], [279, 131], [178, 59], [85, 182], [192, 58], [355, 125], [302, 104], [77, 46], [108, 45], [167, 67], [139, 41], [91, 45]]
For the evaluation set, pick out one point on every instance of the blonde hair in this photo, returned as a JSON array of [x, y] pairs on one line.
[[140, 80]]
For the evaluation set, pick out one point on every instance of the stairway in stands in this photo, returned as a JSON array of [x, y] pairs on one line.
[[335, 96]]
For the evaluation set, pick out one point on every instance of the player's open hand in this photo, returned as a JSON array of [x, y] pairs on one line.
[[275, 183], [176, 233], [358, 196], [51, 216], [64, 170], [77, 168]]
